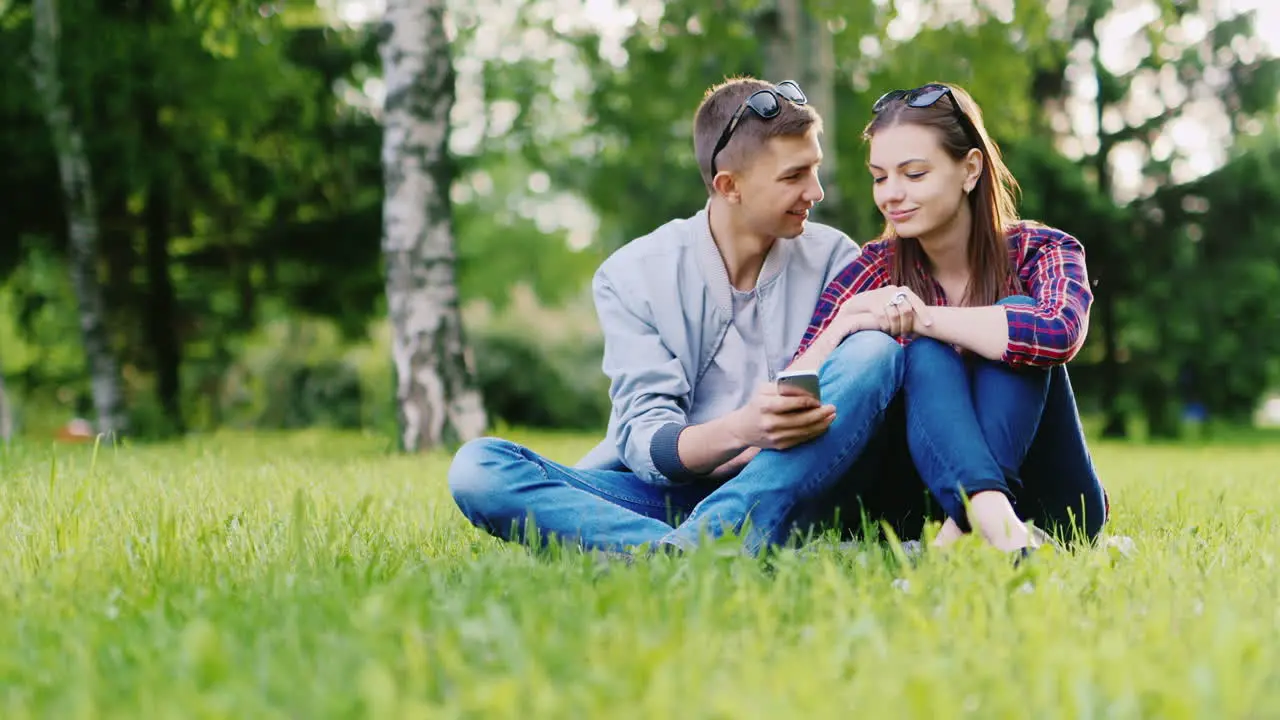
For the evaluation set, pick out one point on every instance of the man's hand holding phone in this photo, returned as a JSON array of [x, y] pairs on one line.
[[783, 414]]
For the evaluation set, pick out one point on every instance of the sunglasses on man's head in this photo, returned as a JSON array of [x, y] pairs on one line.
[[766, 103], [928, 96]]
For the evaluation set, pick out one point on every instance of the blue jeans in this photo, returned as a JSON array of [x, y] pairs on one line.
[[975, 425], [513, 493], [499, 486]]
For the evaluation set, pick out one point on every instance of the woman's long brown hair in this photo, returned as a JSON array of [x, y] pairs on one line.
[[991, 202]]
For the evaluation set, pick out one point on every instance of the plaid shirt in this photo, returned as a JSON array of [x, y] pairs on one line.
[[1050, 269]]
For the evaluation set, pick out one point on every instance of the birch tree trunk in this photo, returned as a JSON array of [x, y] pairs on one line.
[[82, 218], [435, 387]]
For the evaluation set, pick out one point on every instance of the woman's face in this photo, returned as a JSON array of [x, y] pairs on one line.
[[919, 188]]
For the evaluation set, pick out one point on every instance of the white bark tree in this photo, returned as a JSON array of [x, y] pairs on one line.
[[435, 386], [82, 218]]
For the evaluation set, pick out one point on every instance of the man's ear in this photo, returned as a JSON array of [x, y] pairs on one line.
[[726, 184]]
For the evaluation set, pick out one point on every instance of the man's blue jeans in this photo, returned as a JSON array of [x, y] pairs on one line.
[[975, 425], [499, 485]]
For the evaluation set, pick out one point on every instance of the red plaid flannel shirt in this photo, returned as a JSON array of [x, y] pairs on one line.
[[1050, 269]]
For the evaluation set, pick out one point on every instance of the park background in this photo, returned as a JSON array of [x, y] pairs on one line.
[[233, 154], [194, 261]]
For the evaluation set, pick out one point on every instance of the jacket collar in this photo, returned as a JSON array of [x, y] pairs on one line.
[[712, 263]]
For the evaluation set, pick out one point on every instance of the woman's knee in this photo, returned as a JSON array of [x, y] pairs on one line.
[[1017, 300], [929, 348], [927, 358]]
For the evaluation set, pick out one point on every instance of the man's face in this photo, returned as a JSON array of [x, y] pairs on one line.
[[780, 186]]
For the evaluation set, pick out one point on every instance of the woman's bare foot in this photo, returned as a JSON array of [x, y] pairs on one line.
[[949, 533], [993, 517]]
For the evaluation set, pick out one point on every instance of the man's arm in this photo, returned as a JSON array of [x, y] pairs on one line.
[[708, 447], [771, 420], [735, 465], [655, 439], [646, 386]]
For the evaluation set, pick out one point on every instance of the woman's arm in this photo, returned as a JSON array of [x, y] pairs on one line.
[[982, 330], [844, 325], [1051, 328], [1045, 329], [869, 271]]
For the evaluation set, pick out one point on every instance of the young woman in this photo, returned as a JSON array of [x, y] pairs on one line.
[[990, 310]]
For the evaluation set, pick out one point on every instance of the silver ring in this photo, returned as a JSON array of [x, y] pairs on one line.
[[897, 299]]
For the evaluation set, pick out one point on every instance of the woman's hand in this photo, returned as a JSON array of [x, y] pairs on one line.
[[846, 323], [902, 311]]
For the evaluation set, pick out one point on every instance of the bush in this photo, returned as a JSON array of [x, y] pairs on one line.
[[528, 384], [294, 374], [298, 373]]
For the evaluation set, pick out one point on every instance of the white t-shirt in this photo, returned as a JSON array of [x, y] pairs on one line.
[[739, 365]]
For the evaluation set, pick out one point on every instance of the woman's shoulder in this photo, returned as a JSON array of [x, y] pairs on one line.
[[1035, 246], [877, 246], [1031, 242], [1025, 233], [871, 261]]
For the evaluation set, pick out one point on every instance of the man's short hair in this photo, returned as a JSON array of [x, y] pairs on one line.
[[716, 110]]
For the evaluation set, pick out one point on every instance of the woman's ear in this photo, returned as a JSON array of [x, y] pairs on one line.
[[973, 161]]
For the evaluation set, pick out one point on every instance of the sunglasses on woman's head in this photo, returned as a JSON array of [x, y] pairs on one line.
[[765, 103], [928, 96]]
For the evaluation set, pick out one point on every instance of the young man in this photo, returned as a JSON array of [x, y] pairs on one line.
[[698, 318]]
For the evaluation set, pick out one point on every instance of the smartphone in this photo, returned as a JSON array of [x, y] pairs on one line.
[[805, 381]]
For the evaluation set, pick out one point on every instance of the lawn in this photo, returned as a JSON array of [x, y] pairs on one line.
[[318, 575]]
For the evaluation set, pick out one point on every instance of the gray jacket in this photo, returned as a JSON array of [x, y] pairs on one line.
[[664, 305]]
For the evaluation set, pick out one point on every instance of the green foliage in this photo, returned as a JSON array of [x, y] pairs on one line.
[[531, 384], [641, 171], [39, 330], [509, 233], [1224, 225], [538, 362], [296, 373]]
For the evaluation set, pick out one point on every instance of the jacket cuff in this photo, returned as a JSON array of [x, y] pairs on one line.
[[664, 450]]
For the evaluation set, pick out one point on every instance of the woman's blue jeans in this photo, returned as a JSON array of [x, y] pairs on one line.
[[975, 425]]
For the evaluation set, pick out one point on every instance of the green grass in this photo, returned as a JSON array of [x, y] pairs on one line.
[[317, 575]]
